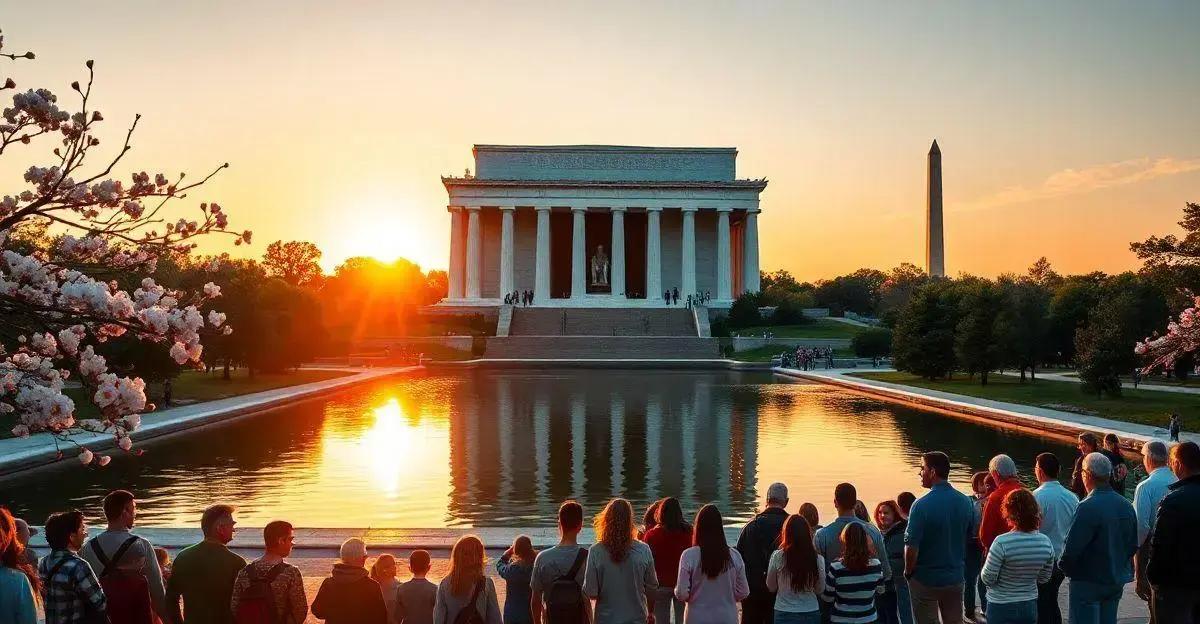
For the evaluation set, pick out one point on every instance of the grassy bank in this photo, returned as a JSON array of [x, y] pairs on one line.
[[819, 328], [1145, 407], [197, 387]]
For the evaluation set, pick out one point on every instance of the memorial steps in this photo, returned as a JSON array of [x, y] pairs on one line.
[[602, 334]]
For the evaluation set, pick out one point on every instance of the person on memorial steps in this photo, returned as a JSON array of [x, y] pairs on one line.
[[126, 564], [757, 541], [1017, 562], [1146, 497], [558, 572], [1175, 543], [796, 574], [935, 544], [619, 574], [1057, 505], [1098, 553], [349, 595]]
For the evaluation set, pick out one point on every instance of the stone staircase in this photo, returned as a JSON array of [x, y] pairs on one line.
[[602, 334], [602, 348], [602, 322]]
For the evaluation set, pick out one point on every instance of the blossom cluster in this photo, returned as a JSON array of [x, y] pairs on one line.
[[1182, 337]]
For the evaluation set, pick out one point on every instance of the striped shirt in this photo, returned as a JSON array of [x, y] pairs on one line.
[[1016, 563], [853, 593]]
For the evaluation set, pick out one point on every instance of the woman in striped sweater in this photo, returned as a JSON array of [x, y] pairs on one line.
[[853, 581], [1017, 562]]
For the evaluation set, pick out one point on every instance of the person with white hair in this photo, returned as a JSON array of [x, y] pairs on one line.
[[1100, 545], [758, 539], [1146, 497], [349, 595], [1003, 470]]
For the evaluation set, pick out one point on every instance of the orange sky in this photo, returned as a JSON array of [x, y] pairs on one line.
[[1068, 130]]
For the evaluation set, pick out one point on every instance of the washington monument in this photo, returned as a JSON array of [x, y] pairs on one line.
[[935, 250]]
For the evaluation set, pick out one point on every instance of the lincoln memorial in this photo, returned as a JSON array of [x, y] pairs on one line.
[[602, 226]]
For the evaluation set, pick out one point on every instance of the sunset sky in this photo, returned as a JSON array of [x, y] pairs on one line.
[[1067, 129]]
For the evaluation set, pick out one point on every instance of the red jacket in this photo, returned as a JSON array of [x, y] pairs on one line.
[[667, 547], [993, 523]]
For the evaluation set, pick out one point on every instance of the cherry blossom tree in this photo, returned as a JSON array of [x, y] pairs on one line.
[[1182, 337], [58, 303]]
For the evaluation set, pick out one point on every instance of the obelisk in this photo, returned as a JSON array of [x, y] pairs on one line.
[[935, 250]]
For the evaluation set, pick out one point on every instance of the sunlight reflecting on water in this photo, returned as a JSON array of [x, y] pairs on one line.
[[505, 448]]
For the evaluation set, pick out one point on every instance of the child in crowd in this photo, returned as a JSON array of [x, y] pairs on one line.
[[854, 580], [164, 563], [383, 571], [516, 568], [415, 597]]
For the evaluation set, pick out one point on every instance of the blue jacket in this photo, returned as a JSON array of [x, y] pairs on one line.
[[1102, 540]]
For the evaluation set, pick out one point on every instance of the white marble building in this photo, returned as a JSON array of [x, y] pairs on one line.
[[602, 226]]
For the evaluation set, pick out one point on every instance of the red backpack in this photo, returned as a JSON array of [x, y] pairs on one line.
[[257, 602], [127, 592]]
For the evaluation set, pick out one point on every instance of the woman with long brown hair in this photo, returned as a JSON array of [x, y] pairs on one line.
[[852, 581], [712, 576], [19, 583], [619, 574], [668, 539], [466, 586], [796, 573]]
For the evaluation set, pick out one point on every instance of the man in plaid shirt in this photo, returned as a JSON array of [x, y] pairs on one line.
[[72, 591]]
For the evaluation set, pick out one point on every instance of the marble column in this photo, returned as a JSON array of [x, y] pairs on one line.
[[474, 258], [688, 250], [506, 250], [616, 274], [750, 276], [654, 287], [456, 253], [578, 253], [541, 270], [724, 262]]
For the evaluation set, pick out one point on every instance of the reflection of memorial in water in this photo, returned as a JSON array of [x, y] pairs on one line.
[[521, 444]]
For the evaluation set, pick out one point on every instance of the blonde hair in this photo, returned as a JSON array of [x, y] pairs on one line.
[[383, 562], [466, 564], [615, 529]]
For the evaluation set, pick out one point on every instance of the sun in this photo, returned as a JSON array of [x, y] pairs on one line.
[[382, 231]]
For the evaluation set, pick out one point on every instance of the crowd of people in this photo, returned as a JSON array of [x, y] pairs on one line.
[[807, 358], [913, 559]]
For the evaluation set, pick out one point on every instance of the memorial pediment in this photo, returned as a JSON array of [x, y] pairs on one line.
[[605, 163]]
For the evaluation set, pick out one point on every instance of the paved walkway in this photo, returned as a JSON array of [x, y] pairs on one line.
[[19, 454], [1050, 421], [1125, 384]]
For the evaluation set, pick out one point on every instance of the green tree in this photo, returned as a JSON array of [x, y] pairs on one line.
[[294, 262], [873, 343], [858, 292], [923, 339], [977, 347], [1174, 261], [901, 282], [1023, 326], [744, 312], [1070, 304], [1042, 274], [1104, 345]]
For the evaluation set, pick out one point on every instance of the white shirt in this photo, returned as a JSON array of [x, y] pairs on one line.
[[788, 599], [1146, 497], [1058, 505]]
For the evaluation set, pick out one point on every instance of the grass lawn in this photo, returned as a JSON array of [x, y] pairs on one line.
[[820, 328], [196, 387], [1156, 380], [764, 354], [1146, 407]]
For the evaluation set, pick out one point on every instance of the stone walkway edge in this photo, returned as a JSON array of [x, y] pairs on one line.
[[19, 455], [1047, 421]]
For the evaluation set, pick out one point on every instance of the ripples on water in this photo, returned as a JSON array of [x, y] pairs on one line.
[[505, 447]]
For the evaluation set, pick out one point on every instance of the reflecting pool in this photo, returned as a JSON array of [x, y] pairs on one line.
[[489, 448]]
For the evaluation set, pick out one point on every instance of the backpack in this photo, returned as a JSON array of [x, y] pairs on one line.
[[564, 598], [127, 591], [257, 602], [469, 614]]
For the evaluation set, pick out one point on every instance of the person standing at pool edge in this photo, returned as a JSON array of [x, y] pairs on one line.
[[668, 539], [349, 595], [282, 582], [129, 597], [1100, 545], [935, 544], [557, 581], [619, 574], [416, 597], [758, 539], [712, 577], [204, 573], [1057, 506], [516, 568]]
